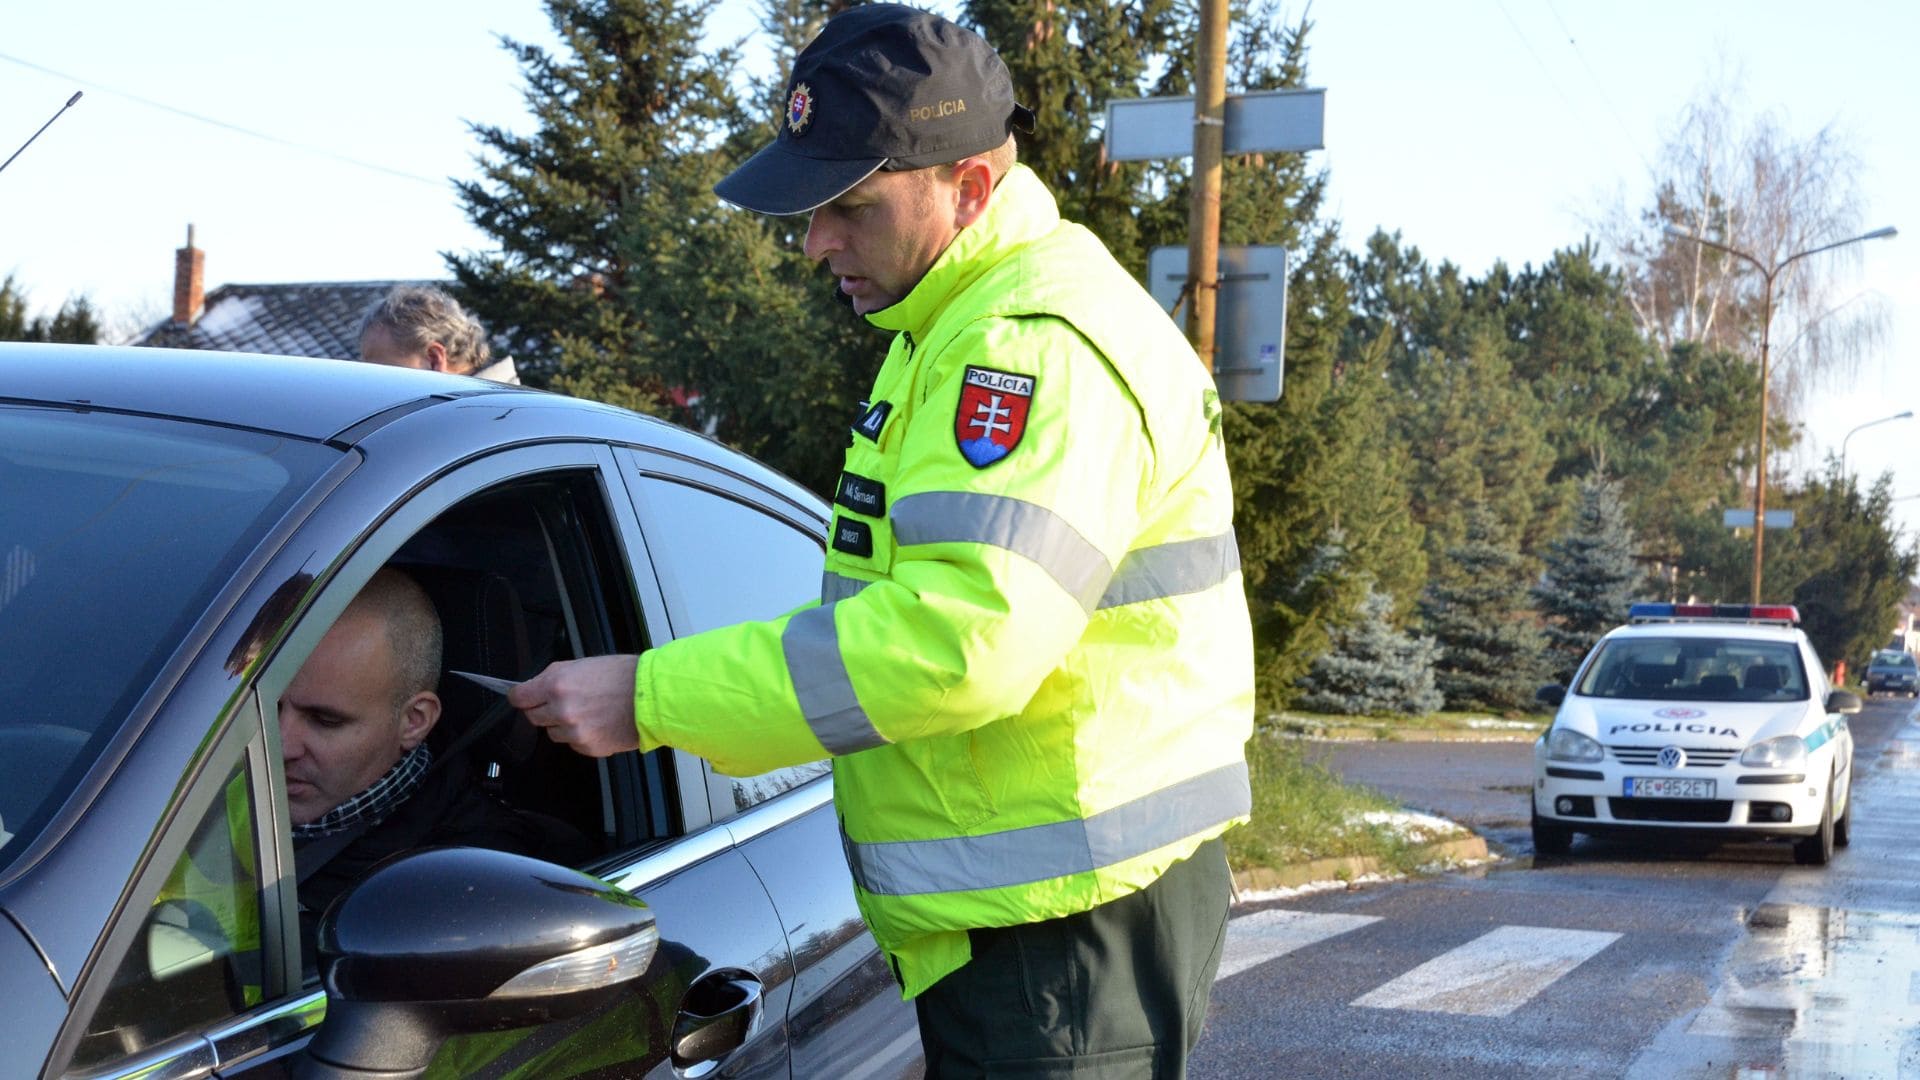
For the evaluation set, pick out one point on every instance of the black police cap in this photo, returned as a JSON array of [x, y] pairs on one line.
[[883, 86]]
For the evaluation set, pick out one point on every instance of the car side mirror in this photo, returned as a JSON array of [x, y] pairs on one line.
[[452, 941], [1552, 694], [1843, 701]]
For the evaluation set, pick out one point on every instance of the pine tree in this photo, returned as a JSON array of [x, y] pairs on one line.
[[626, 117], [1492, 656], [1372, 668], [1844, 563], [1591, 575], [1454, 395], [1068, 58], [1674, 428], [619, 275], [1292, 624], [14, 322], [74, 323]]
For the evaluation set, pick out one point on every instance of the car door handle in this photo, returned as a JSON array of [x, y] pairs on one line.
[[716, 1017]]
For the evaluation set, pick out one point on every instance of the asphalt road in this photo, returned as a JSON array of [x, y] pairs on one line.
[[1622, 960], [1482, 785]]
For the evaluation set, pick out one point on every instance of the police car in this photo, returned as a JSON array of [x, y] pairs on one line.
[[1699, 718]]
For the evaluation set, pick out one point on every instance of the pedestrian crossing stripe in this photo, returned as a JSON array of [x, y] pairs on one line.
[[1254, 939], [1493, 974]]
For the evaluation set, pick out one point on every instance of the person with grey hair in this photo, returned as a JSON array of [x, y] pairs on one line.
[[419, 326]]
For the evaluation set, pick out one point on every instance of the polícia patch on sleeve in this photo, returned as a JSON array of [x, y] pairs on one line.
[[992, 415]]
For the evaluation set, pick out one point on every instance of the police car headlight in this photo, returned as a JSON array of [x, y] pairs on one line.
[[1565, 744], [1785, 752]]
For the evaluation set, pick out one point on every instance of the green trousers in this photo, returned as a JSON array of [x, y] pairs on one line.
[[1116, 992]]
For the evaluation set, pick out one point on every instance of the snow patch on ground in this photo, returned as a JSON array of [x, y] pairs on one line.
[[1311, 887], [1416, 827], [1484, 723]]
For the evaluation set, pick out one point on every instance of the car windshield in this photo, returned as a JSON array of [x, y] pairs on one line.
[[115, 533], [1696, 669], [1897, 661]]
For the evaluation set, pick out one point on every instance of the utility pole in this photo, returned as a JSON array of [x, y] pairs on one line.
[[1235, 319], [1209, 139], [1768, 274]]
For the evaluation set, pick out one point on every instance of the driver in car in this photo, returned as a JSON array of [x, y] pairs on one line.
[[362, 782]]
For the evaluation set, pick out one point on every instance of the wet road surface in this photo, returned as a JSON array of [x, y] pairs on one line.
[[1622, 960]]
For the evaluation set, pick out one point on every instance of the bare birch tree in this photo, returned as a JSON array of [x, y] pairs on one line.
[[1754, 186]]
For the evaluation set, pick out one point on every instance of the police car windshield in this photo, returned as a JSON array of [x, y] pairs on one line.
[[1696, 669]]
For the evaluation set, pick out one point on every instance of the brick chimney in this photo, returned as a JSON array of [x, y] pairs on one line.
[[189, 282]]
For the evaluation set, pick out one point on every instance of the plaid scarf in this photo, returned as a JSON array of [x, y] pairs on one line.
[[371, 807]]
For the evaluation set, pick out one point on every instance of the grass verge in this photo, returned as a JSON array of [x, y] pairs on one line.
[[1302, 811], [1435, 726]]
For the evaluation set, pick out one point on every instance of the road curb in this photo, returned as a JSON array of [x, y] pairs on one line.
[[1417, 735], [1350, 867]]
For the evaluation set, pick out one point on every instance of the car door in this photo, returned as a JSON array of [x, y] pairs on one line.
[[723, 952], [723, 948], [727, 549]]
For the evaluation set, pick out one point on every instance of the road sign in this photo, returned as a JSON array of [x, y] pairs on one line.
[[1250, 332], [1743, 519], [1265, 121]]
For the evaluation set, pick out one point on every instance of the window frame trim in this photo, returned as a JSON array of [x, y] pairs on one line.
[[638, 465], [242, 740]]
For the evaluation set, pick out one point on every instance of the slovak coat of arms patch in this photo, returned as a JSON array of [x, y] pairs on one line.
[[800, 109], [992, 415]]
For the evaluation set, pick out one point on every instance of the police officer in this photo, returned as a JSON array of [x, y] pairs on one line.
[[1032, 661]]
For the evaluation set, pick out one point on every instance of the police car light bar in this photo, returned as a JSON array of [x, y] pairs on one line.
[[1785, 614]]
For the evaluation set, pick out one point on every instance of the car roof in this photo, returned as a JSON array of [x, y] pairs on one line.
[[299, 396], [334, 401]]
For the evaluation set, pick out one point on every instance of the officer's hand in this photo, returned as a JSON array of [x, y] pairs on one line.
[[586, 704]]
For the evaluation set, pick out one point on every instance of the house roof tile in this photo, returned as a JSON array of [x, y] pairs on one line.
[[319, 318]]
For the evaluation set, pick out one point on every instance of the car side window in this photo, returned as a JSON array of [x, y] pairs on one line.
[[721, 561], [197, 959], [506, 573]]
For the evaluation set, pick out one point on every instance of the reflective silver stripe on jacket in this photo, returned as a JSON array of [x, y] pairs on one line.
[[1040, 852], [1174, 569], [837, 587], [1024, 528], [811, 644]]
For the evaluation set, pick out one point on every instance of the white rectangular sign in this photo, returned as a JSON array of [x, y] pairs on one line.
[[1250, 321], [1264, 121]]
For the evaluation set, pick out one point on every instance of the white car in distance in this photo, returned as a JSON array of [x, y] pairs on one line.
[[1699, 718]]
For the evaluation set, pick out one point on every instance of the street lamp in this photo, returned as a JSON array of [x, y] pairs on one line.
[[1767, 275], [1908, 415]]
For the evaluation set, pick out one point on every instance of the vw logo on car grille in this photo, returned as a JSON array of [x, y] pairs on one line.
[[1672, 757]]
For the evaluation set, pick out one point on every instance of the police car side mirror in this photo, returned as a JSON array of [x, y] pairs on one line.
[[1551, 695], [1843, 701], [452, 941]]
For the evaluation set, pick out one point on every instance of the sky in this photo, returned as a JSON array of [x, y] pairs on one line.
[[319, 142]]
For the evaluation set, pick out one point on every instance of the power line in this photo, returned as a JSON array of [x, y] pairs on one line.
[[1542, 64], [237, 129], [1600, 86]]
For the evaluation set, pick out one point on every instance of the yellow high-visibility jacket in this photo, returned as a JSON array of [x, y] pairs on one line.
[[1032, 662]]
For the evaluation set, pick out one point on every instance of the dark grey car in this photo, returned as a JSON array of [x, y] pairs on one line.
[[1893, 671], [177, 530]]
